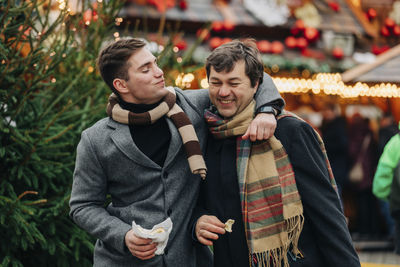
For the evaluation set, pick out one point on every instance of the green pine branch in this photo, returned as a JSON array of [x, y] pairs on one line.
[[49, 92]]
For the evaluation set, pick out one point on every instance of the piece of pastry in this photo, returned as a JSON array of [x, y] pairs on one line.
[[228, 225]]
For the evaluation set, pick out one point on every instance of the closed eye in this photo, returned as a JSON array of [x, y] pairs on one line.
[[216, 83]]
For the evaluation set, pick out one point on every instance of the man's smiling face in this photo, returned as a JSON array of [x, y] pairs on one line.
[[231, 91]]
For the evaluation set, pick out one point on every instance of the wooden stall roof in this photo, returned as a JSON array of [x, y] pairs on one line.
[[385, 68], [343, 21], [198, 11], [204, 11]]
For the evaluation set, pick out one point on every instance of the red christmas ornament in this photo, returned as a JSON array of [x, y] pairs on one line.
[[298, 27], [203, 33], [215, 42], [162, 6], [264, 46], [384, 48], [217, 26], [229, 25], [290, 42], [95, 17], [311, 34], [306, 53], [183, 5], [334, 6], [294, 31], [313, 54], [385, 31], [389, 23], [181, 44], [371, 14], [396, 30], [376, 50], [337, 53], [299, 24], [301, 43], [277, 47]]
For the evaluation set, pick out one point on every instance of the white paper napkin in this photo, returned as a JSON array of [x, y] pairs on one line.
[[159, 234]]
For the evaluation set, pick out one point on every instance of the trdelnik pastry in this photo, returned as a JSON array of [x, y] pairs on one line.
[[159, 233]]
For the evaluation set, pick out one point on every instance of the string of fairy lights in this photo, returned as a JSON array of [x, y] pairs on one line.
[[323, 83], [332, 84]]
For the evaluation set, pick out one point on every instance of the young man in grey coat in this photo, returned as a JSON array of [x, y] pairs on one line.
[[146, 157]]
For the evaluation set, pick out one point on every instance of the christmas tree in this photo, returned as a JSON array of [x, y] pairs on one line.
[[49, 93]]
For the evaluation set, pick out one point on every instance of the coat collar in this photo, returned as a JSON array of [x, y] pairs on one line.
[[122, 138]]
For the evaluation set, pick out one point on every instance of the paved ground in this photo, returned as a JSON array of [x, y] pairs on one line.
[[379, 259], [377, 254]]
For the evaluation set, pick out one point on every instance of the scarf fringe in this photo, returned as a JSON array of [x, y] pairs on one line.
[[278, 256], [271, 258], [294, 227]]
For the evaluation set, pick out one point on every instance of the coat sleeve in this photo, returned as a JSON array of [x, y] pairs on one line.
[[320, 200], [197, 98], [267, 94], [88, 197], [387, 164]]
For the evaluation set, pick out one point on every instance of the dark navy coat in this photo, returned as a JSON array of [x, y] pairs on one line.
[[325, 240]]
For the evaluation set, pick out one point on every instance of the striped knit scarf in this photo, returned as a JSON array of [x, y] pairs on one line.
[[271, 205], [179, 118]]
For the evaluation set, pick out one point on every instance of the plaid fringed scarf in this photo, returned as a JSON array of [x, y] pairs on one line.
[[286, 113], [271, 205], [179, 118]]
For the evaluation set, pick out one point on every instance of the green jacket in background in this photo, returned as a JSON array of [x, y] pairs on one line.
[[385, 171]]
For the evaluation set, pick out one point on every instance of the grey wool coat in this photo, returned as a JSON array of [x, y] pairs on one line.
[[109, 163]]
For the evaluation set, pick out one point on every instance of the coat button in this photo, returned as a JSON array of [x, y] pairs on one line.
[[169, 212], [165, 175]]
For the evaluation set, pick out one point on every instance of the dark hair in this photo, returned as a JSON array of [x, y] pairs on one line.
[[113, 60], [224, 58]]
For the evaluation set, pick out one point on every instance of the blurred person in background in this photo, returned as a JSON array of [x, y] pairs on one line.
[[386, 185], [362, 149], [334, 134], [387, 129]]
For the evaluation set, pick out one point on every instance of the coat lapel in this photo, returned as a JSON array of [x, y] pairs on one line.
[[123, 140]]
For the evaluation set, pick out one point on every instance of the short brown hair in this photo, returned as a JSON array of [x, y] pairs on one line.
[[224, 57], [112, 60]]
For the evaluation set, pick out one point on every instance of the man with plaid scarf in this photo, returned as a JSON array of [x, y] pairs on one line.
[[280, 192]]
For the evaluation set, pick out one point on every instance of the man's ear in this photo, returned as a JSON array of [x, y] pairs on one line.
[[256, 87], [120, 85]]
